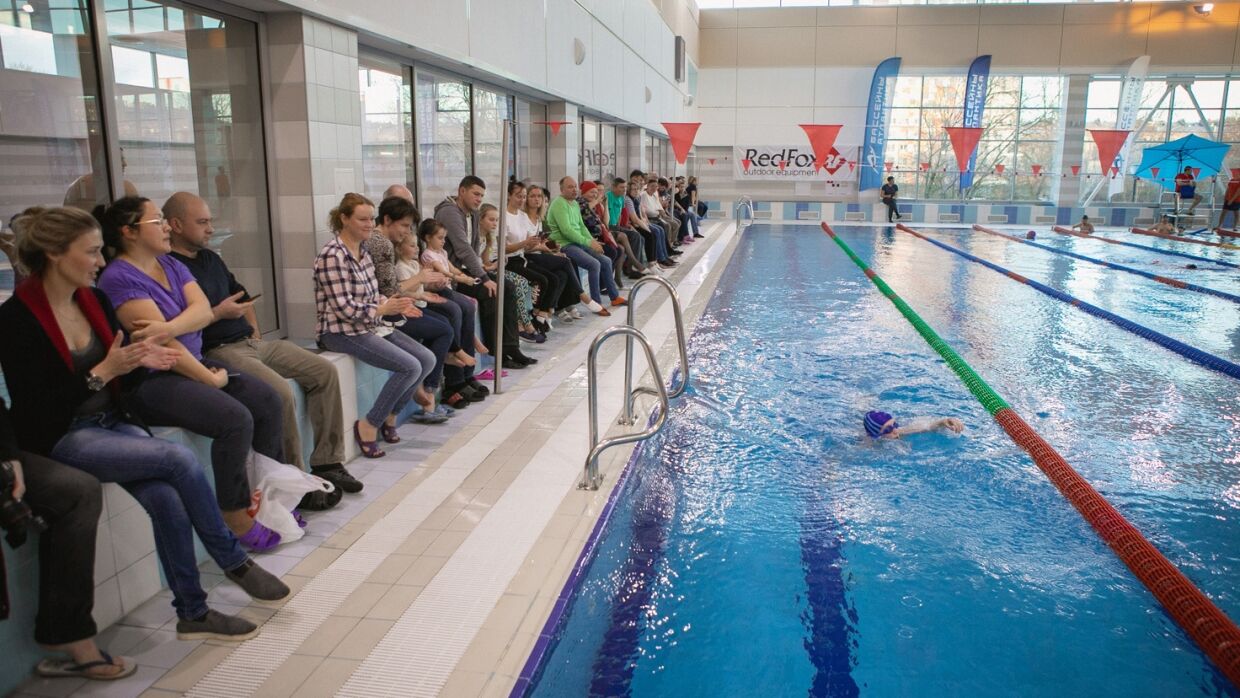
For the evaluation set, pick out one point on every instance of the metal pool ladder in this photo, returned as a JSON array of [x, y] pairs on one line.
[[743, 205], [591, 479]]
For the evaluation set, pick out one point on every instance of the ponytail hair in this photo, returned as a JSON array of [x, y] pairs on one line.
[[122, 213], [349, 204], [46, 231]]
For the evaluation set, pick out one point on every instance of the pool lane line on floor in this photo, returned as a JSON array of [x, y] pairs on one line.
[[1068, 231], [1181, 238], [1197, 356], [1167, 280], [1207, 625]]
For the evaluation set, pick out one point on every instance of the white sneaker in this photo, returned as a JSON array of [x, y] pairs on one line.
[[565, 316], [576, 313], [592, 307]]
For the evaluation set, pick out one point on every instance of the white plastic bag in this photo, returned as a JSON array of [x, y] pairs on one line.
[[277, 490]]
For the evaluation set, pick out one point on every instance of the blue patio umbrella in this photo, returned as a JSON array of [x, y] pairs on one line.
[[1171, 158]]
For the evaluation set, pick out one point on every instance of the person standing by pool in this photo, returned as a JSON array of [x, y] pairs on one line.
[[880, 425], [889, 198], [1231, 203]]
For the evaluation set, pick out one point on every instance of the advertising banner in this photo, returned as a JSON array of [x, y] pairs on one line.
[[793, 163], [974, 106], [877, 119]]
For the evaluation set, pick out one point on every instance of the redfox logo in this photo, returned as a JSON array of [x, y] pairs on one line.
[[790, 156]]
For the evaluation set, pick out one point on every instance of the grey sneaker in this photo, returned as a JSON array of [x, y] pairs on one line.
[[262, 586], [216, 626]]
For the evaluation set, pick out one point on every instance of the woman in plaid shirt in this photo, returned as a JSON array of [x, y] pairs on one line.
[[350, 320]]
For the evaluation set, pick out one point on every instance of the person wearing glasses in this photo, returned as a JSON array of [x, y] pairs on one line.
[[156, 297]]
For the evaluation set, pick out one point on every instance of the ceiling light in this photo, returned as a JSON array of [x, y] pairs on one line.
[[1204, 8], [28, 8]]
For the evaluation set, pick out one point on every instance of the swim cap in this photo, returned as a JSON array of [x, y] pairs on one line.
[[1030, 235], [874, 422]]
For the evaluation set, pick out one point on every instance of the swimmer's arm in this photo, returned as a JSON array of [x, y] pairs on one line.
[[946, 424]]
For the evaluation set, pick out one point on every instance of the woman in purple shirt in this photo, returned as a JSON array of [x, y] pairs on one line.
[[157, 296]]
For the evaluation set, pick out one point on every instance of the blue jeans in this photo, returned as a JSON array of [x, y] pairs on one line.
[[660, 242], [461, 312], [598, 269], [409, 362], [435, 333], [691, 220], [170, 484]]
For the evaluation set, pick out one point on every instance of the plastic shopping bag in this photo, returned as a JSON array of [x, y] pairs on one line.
[[278, 489]]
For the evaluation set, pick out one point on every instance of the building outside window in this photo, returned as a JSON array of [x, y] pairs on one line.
[[531, 142], [490, 110], [1022, 126], [388, 153], [607, 154], [189, 118], [444, 135], [588, 155]]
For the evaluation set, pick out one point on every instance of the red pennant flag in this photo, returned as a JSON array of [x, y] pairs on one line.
[[1114, 171], [1196, 172], [851, 165], [889, 165], [925, 167], [964, 140], [782, 165], [822, 140], [1076, 170], [1109, 142], [1037, 169], [681, 135], [746, 163], [710, 160], [999, 167], [555, 126], [1154, 172]]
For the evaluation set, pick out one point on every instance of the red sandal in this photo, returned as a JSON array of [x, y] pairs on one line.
[[370, 449]]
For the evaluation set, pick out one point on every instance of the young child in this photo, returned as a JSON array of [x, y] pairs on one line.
[[1084, 226], [431, 237], [407, 268], [488, 223], [880, 425]]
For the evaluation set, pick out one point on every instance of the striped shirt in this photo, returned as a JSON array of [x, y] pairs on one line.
[[346, 293]]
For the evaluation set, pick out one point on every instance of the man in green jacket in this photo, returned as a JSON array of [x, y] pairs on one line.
[[569, 231]]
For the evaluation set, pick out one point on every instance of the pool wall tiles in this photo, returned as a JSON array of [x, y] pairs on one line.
[[1017, 214]]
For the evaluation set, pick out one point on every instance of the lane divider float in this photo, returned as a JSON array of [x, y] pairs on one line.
[[1189, 352], [1203, 621], [1181, 238], [1176, 283], [1068, 231]]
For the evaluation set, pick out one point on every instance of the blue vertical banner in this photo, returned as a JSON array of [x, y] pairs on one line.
[[877, 120], [974, 105]]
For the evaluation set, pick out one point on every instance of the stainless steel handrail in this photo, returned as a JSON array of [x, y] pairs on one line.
[[677, 390], [590, 477], [744, 203]]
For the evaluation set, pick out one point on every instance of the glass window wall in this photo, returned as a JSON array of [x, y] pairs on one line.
[[444, 135], [388, 153]]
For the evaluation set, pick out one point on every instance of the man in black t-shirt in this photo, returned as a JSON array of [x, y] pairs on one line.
[[233, 339], [889, 198]]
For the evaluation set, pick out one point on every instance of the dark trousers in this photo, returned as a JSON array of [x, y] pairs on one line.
[[548, 289], [246, 414], [892, 211], [567, 289], [70, 501], [461, 312], [435, 333], [487, 309]]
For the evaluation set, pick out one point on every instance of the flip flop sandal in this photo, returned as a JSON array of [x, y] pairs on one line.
[[57, 668], [259, 539]]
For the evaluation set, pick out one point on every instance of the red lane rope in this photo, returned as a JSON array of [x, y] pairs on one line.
[[1180, 238]]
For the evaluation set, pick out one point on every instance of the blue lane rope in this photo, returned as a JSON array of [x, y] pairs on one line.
[[1173, 253], [1191, 353], [1174, 283]]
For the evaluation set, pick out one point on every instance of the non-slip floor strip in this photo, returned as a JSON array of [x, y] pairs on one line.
[[1207, 625], [1166, 280], [1068, 231], [420, 651], [1197, 356]]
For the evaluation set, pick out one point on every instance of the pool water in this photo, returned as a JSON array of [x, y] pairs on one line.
[[761, 547]]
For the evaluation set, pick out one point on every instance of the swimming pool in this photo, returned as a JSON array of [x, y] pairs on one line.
[[759, 547]]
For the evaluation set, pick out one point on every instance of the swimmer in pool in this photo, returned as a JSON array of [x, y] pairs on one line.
[[880, 425], [1084, 226], [1165, 226]]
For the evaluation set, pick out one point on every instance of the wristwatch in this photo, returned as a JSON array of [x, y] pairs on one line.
[[94, 383]]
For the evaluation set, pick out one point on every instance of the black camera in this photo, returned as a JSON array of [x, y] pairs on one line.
[[16, 518]]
